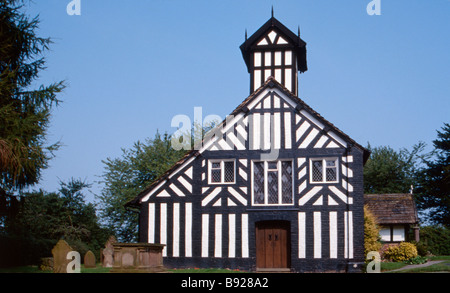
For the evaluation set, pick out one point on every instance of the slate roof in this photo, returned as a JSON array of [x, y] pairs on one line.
[[396, 208], [271, 83]]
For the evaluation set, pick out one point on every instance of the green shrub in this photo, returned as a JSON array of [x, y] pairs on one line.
[[422, 248], [435, 239], [416, 260], [371, 232], [403, 252]]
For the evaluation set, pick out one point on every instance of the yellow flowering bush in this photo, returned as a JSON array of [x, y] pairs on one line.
[[371, 232], [402, 252]]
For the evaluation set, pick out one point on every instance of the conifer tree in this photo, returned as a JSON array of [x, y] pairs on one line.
[[433, 190], [24, 110]]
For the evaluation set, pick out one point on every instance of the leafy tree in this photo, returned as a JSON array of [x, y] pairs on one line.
[[125, 177], [24, 111], [390, 171], [435, 239], [433, 192], [46, 217]]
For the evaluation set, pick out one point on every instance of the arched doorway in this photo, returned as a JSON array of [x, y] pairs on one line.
[[273, 245]]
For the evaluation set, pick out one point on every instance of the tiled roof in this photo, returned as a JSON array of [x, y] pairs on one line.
[[396, 208]]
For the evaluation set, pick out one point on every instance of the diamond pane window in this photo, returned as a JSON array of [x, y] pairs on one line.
[[324, 170], [229, 171], [221, 172], [258, 182], [216, 176], [286, 182], [272, 187], [331, 171], [317, 171], [272, 183]]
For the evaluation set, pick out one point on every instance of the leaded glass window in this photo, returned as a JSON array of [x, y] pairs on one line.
[[331, 172], [229, 171], [221, 172], [258, 182], [216, 172], [317, 171], [272, 183], [324, 170], [286, 182]]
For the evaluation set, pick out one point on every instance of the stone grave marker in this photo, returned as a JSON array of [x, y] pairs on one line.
[[60, 261], [89, 260], [108, 252]]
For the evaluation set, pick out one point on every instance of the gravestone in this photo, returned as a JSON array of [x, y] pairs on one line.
[[138, 258], [89, 260], [108, 252], [60, 260]]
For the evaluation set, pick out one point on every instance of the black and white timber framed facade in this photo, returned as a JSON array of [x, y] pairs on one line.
[[276, 187]]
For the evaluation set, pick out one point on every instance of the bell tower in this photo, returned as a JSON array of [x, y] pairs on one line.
[[274, 50]]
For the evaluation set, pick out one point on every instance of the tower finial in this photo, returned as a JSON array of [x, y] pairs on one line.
[[272, 10], [245, 34], [299, 31]]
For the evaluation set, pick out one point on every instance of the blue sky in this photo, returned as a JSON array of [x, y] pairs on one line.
[[131, 66]]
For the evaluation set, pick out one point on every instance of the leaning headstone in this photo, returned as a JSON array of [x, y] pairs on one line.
[[89, 260], [108, 252], [60, 260]]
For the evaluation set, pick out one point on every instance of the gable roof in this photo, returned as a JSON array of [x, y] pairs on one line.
[[194, 152], [397, 208], [294, 40]]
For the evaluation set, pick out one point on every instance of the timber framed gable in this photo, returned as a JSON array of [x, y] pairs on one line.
[[274, 176]]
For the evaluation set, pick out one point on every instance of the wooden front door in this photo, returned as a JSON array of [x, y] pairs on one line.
[[273, 245]]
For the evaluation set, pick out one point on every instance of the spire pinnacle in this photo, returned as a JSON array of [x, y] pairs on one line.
[[272, 10], [245, 34]]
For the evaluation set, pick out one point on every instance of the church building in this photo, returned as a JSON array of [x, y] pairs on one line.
[[274, 187]]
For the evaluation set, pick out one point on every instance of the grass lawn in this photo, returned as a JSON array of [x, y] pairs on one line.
[[385, 267], [99, 270], [35, 269], [440, 267], [388, 266]]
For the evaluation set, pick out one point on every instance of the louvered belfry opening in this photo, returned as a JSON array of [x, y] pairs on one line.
[[274, 51]]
